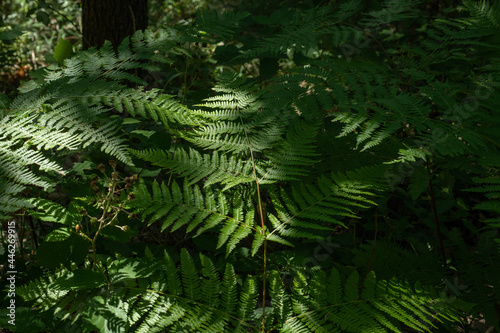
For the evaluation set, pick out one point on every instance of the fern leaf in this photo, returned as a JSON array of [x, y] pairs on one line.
[[190, 278]]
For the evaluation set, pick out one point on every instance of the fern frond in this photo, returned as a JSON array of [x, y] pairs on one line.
[[24, 126], [316, 303], [190, 278], [219, 25], [490, 187], [229, 290], [247, 302], [68, 108], [124, 306], [483, 11], [292, 158], [53, 212], [21, 174], [355, 306], [43, 291], [280, 300], [196, 210], [309, 207], [195, 166], [210, 284]]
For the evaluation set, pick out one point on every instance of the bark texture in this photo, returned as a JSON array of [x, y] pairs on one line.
[[112, 20]]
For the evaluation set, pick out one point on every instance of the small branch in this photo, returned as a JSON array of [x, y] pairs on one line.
[[261, 214], [65, 18]]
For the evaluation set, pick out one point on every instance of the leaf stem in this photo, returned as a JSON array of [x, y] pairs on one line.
[[373, 246], [436, 218], [261, 215]]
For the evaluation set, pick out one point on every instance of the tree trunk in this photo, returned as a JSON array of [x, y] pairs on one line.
[[112, 20]]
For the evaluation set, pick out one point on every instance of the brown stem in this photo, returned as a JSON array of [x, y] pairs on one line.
[[436, 218], [373, 247], [33, 233], [264, 273], [261, 214]]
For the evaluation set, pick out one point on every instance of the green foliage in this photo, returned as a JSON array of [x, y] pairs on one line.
[[62, 51], [313, 189], [29, 31], [144, 295]]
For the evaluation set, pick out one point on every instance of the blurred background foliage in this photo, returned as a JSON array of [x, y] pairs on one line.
[[41, 24]]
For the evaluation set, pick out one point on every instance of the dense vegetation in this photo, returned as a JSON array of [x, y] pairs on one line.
[[309, 167]]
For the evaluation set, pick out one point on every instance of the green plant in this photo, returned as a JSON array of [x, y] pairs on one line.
[[319, 137], [32, 22]]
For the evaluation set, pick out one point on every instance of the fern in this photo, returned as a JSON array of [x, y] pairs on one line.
[[309, 206], [219, 25], [317, 302], [194, 210], [67, 110], [195, 166], [352, 307], [160, 308], [274, 160]]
